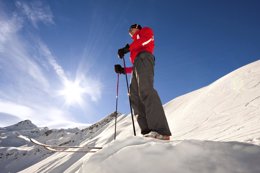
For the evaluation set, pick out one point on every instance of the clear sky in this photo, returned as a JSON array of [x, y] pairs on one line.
[[57, 56]]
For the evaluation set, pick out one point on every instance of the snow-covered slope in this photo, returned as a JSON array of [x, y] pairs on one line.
[[226, 110], [215, 129]]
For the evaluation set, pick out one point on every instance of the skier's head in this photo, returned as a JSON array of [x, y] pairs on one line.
[[133, 28]]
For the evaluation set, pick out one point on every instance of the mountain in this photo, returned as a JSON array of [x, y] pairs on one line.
[[17, 152], [23, 125], [215, 129]]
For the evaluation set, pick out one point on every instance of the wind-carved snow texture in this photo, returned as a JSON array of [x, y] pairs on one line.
[[215, 129], [258, 97]]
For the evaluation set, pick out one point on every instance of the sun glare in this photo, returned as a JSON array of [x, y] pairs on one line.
[[72, 92]]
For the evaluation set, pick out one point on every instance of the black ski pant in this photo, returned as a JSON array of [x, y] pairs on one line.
[[145, 100]]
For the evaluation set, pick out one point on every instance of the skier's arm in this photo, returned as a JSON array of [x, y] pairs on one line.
[[119, 69], [128, 70], [145, 37]]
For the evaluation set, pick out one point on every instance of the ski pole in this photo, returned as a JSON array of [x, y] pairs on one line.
[[128, 92], [117, 87]]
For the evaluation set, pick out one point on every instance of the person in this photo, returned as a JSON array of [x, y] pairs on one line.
[[146, 103]]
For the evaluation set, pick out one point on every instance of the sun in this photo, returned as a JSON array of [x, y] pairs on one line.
[[72, 92]]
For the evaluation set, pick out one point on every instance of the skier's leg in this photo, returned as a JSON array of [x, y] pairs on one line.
[[156, 119], [138, 106]]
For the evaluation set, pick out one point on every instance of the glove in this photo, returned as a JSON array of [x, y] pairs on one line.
[[119, 69], [121, 52]]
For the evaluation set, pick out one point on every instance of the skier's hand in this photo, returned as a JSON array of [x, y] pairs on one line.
[[119, 69], [121, 52]]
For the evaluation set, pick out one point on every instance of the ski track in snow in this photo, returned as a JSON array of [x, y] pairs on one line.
[[215, 129]]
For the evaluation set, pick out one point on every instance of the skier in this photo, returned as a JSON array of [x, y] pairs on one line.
[[145, 100]]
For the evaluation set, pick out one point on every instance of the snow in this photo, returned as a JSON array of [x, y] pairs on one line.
[[141, 155], [226, 110], [215, 129]]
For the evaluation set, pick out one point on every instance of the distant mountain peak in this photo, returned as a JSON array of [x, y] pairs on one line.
[[27, 122], [23, 125]]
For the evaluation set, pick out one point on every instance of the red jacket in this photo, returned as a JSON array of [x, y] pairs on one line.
[[143, 40]]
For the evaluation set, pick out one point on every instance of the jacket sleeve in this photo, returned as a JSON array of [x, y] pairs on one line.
[[146, 36], [128, 70]]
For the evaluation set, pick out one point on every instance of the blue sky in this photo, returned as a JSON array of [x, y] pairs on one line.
[[47, 45]]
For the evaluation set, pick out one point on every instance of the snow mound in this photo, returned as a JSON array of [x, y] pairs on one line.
[[146, 155]]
